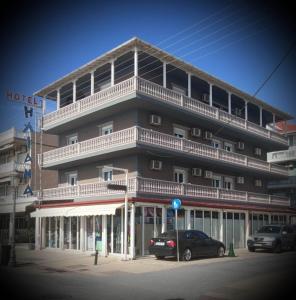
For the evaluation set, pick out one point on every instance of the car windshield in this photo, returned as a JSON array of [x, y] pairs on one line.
[[269, 229]]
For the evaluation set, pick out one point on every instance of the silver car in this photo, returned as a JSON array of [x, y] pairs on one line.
[[272, 237]]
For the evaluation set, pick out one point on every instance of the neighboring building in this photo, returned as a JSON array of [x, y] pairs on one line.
[[285, 187], [178, 131], [13, 151]]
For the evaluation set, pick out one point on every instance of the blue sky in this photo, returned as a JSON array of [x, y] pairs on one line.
[[237, 41]]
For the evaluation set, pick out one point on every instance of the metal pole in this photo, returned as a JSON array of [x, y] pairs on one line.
[[12, 259], [176, 220], [125, 218]]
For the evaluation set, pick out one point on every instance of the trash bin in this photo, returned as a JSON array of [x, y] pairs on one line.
[[5, 254]]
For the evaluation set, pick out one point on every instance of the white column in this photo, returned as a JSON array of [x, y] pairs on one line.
[[189, 85], [164, 74], [77, 233], [246, 110], [112, 72], [49, 232], [164, 219], [187, 218], [104, 236], [136, 62], [273, 119], [74, 91], [122, 232], [82, 233], [43, 232], [221, 226], [37, 233], [44, 104], [132, 231], [92, 82], [58, 98], [260, 112], [211, 94], [247, 227], [229, 102], [61, 232]]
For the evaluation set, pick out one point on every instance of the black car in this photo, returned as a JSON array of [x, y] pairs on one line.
[[192, 243]]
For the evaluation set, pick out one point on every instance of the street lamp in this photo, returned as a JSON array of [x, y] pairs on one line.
[[122, 188]]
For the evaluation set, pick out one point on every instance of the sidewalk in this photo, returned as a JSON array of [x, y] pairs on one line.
[[56, 260]]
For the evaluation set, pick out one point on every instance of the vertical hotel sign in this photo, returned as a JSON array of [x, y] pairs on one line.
[[30, 103]]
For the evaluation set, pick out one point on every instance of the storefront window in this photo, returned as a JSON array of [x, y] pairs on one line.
[[66, 233], [89, 233], [117, 231]]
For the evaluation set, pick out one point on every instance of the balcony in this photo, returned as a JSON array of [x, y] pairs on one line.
[[139, 86], [282, 156], [138, 186], [131, 137], [9, 135], [11, 168]]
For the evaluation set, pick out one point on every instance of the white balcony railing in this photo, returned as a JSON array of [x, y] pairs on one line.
[[11, 167], [140, 85], [147, 186], [282, 156], [10, 134], [139, 135]]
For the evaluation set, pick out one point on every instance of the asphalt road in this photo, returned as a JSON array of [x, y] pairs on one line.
[[255, 276]]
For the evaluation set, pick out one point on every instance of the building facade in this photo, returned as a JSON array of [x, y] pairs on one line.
[[13, 151], [140, 118], [285, 187]]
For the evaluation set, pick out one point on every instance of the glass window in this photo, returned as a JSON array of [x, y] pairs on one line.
[[180, 175], [179, 132], [72, 139]]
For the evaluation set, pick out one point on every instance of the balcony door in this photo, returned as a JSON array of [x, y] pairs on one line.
[[228, 183], [180, 175], [72, 178], [72, 139], [217, 181], [179, 132]]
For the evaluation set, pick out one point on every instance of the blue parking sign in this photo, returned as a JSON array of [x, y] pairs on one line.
[[176, 203]]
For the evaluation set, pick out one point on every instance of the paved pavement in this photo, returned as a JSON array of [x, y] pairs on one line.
[[57, 275], [71, 260]]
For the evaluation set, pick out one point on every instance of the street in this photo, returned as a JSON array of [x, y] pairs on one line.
[[257, 275]]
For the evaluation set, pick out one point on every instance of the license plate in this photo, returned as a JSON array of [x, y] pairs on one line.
[[159, 243]]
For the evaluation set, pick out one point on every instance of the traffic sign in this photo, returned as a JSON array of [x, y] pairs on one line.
[[176, 203]]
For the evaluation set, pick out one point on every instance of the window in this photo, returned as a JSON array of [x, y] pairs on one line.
[[216, 144], [107, 174], [180, 175], [72, 139], [228, 147], [228, 183], [106, 128], [72, 178], [200, 235], [179, 132], [216, 181]]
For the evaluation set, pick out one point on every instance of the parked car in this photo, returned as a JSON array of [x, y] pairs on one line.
[[192, 243], [272, 237]]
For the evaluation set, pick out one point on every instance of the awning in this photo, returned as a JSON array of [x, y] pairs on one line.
[[71, 211]]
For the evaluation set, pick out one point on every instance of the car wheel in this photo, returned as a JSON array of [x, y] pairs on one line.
[[220, 251], [277, 248], [159, 257], [187, 255], [251, 249]]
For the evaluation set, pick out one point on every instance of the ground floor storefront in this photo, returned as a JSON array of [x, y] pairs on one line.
[[101, 227]]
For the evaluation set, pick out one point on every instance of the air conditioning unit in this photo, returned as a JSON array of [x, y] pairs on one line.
[[241, 180], [208, 174], [156, 165], [196, 171], [257, 151], [196, 132], [208, 135], [258, 182], [205, 97], [155, 120], [241, 145]]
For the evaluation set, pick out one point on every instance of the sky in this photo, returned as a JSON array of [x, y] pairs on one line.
[[239, 42]]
